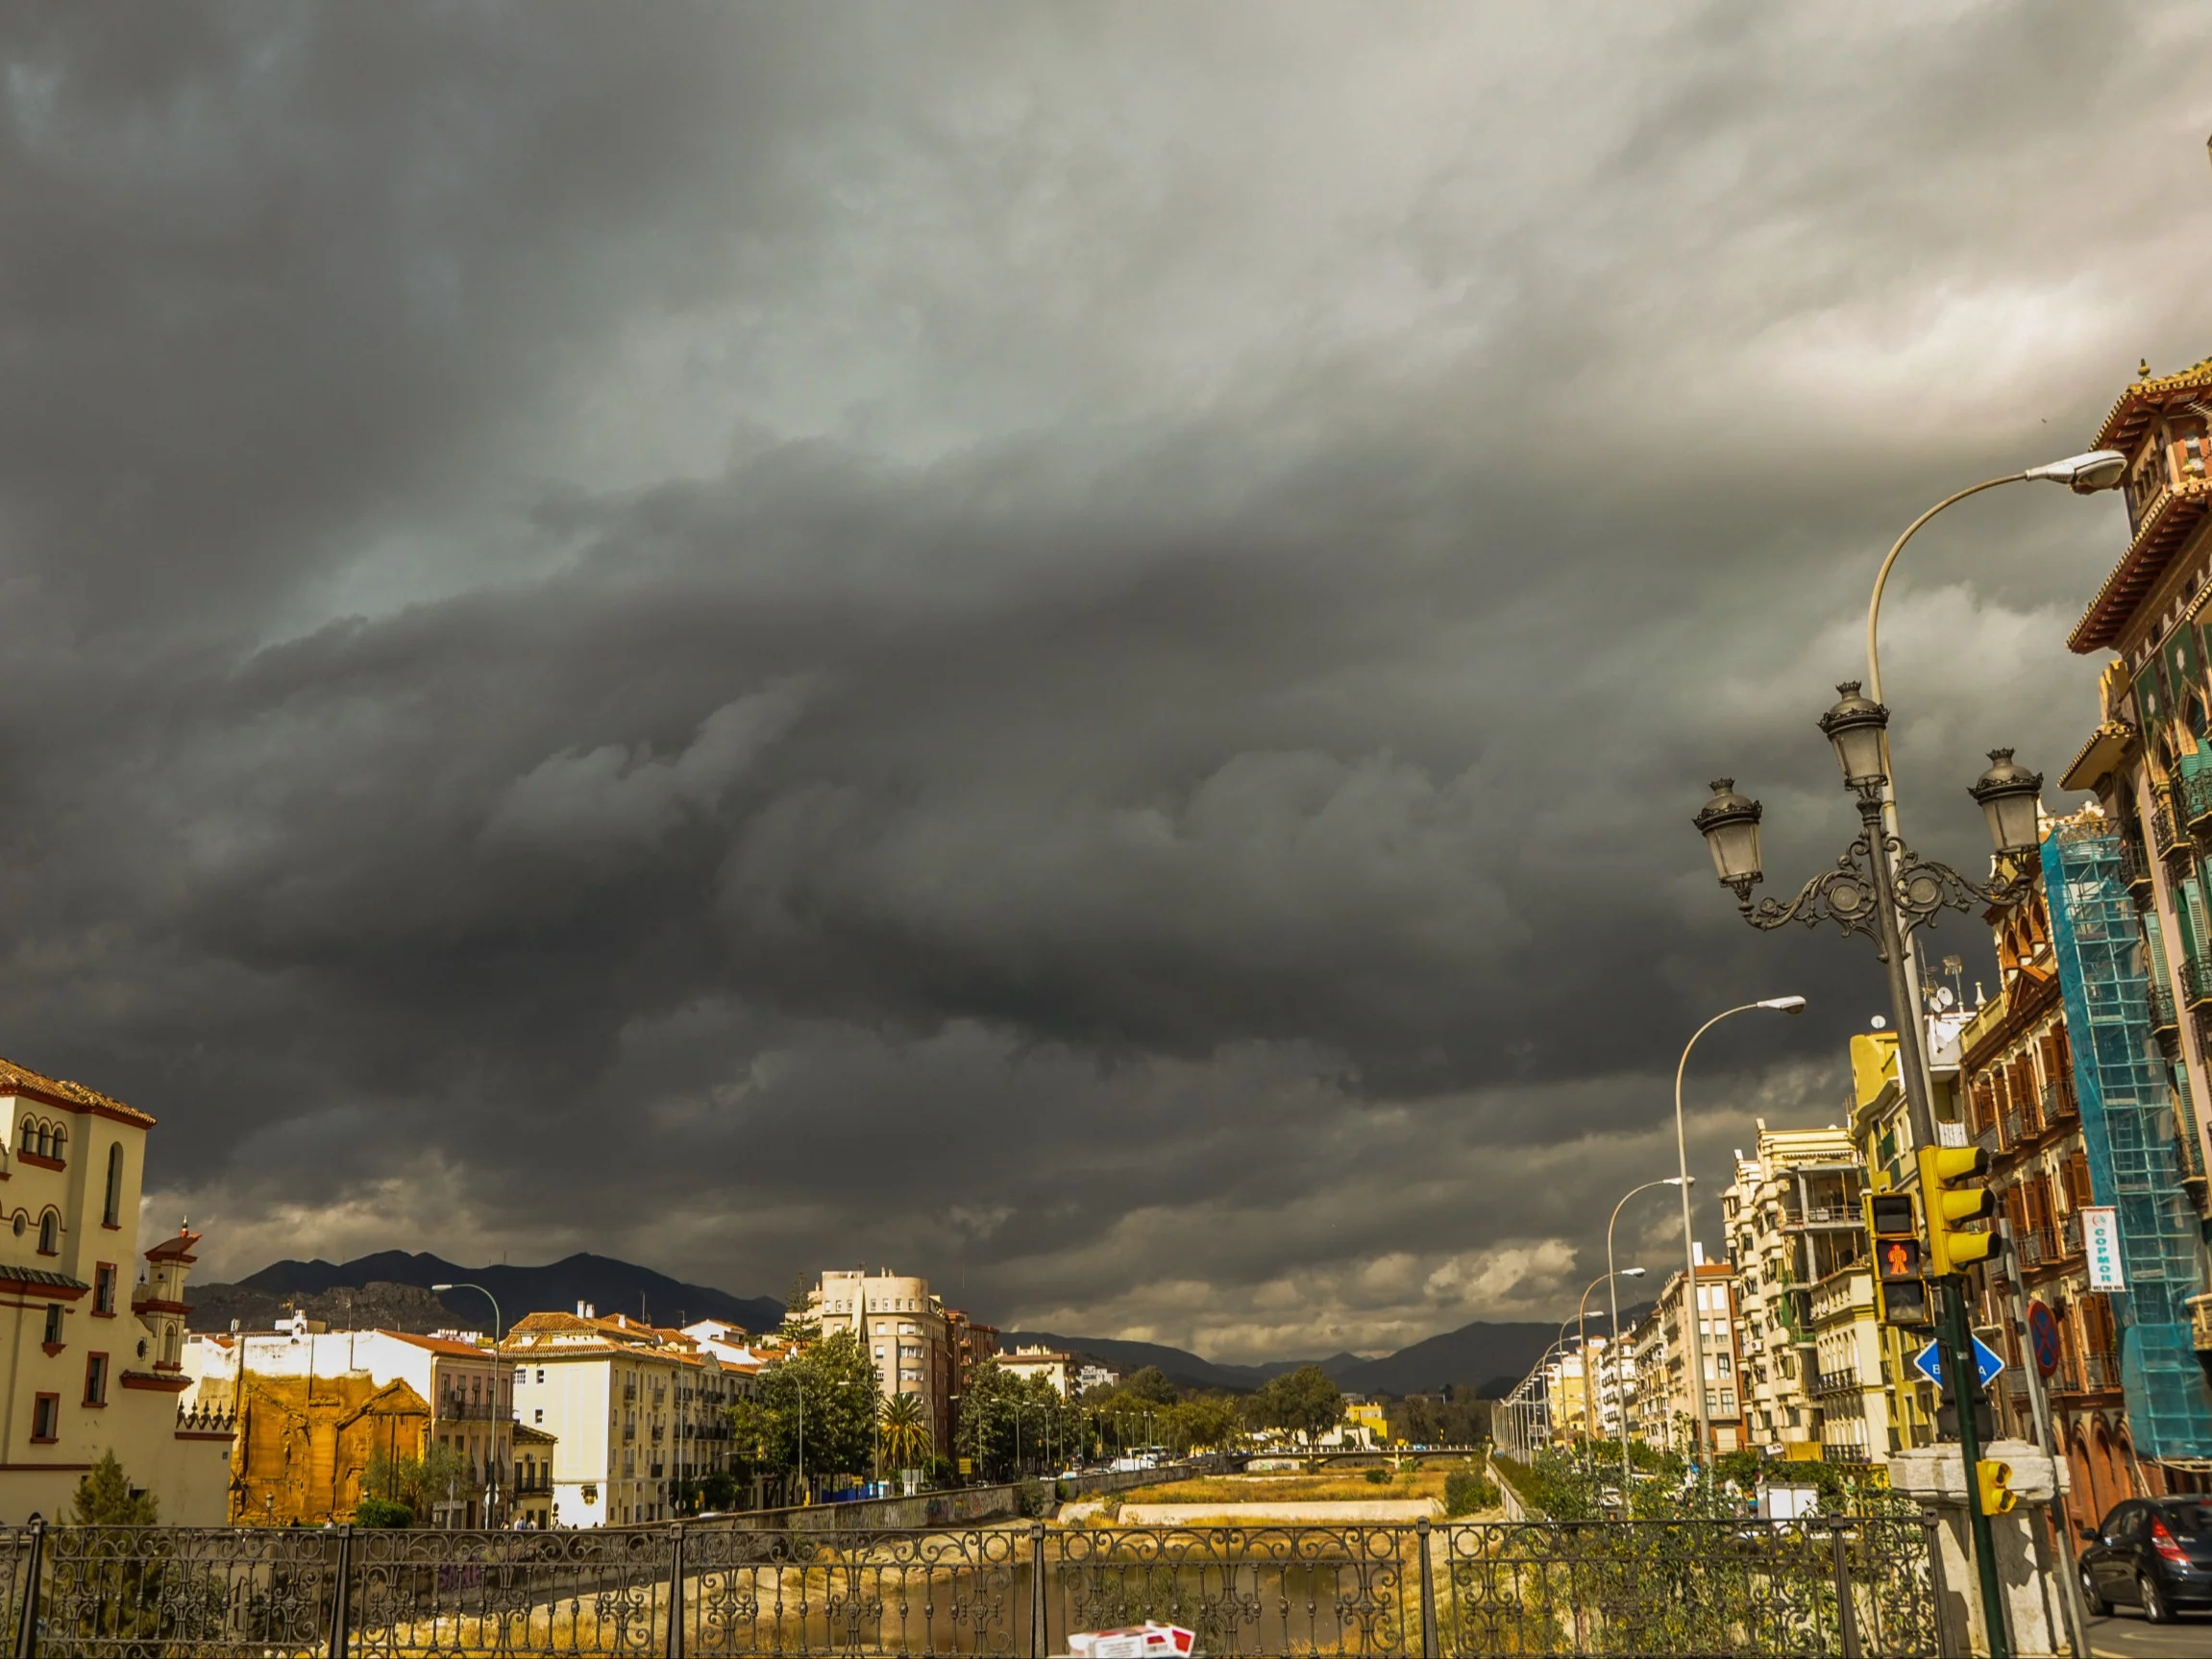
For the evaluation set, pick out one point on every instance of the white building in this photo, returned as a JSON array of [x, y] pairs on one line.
[[902, 1327], [87, 1374], [636, 1409], [467, 1386], [1039, 1361]]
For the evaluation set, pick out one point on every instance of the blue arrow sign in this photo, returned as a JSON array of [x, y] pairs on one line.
[[1987, 1363]]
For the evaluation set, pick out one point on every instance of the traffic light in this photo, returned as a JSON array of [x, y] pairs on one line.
[[1942, 1171], [1893, 1220], [1993, 1480]]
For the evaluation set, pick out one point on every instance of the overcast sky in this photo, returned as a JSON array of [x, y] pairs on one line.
[[1068, 648]]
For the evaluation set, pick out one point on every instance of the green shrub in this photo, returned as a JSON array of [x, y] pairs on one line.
[[1467, 1493], [1378, 1477], [1035, 1498], [383, 1512]]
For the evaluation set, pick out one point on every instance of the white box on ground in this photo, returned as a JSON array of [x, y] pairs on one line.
[[1147, 1641]]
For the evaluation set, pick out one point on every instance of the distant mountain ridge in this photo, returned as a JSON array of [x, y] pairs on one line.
[[611, 1286], [391, 1288]]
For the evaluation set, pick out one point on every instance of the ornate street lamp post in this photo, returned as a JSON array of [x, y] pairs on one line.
[[1881, 888]]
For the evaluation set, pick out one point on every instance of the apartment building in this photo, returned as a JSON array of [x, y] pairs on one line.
[[456, 1375], [636, 1411], [1663, 1407], [1035, 1360], [1793, 1217], [87, 1373], [904, 1329]]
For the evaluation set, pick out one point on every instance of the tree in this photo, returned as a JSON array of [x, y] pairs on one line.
[[1304, 1402], [1149, 1383], [797, 1325], [1009, 1424], [902, 1433], [814, 1411], [103, 1498], [1201, 1422], [419, 1485]]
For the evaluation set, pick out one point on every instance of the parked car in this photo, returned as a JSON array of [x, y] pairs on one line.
[[2154, 1554]]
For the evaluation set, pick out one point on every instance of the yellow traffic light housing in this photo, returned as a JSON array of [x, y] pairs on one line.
[[1951, 1247], [1993, 1482]]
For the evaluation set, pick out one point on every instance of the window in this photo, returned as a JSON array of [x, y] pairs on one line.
[[47, 1417], [538, 1415], [522, 1374], [103, 1289], [112, 1215], [95, 1380], [53, 1324], [49, 1235], [541, 1374], [61, 1142]]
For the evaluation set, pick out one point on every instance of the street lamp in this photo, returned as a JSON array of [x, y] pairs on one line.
[[1882, 888], [1738, 816], [487, 1295], [1613, 1292]]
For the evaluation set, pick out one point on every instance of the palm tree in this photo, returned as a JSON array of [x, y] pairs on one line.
[[902, 1432]]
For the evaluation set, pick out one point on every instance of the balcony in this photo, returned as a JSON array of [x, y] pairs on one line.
[[2135, 871], [1990, 1140], [2197, 983], [2193, 799], [2165, 837], [2016, 1128], [1840, 1453], [2090, 1374], [533, 1486], [454, 1408], [2031, 1249], [2070, 1236], [1836, 1382], [2059, 1103], [2164, 1020]]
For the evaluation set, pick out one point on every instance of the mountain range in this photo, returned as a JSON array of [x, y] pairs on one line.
[[373, 1289], [392, 1289]]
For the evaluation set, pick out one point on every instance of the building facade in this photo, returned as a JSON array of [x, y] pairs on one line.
[[904, 1329], [94, 1364], [466, 1387], [1793, 1217], [638, 1413], [1662, 1406]]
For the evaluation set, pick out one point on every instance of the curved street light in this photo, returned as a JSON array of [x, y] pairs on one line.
[[1692, 1309], [1614, 1291]]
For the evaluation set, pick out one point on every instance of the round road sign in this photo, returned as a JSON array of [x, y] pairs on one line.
[[2043, 1337]]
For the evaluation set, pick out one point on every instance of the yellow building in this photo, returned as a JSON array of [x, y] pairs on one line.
[[93, 1363]]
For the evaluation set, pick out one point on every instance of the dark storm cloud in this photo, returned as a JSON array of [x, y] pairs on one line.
[[1069, 648]]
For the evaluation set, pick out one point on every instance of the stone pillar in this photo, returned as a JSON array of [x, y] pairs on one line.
[[1936, 1476]]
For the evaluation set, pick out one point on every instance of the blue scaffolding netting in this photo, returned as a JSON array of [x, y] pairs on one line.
[[2130, 1117]]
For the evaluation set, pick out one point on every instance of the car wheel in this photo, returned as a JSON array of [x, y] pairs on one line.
[[2155, 1607], [2094, 1598]]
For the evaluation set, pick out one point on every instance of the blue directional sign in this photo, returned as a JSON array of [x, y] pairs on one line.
[[1987, 1363]]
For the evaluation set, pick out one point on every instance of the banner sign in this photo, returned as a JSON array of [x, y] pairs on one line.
[[2100, 1243]]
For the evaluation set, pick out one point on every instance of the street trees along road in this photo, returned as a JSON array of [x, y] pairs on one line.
[[1009, 1423], [828, 1394]]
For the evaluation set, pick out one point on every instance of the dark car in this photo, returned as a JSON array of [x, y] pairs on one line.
[[2154, 1554]]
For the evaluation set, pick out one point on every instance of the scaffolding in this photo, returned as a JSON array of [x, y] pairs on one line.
[[2131, 1111]]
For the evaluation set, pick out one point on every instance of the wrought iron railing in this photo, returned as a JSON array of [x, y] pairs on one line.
[[1851, 1586], [2193, 799], [2163, 835], [2014, 1126], [2163, 1017], [2135, 871], [454, 1408], [2196, 980], [1990, 1140], [2059, 1103], [1836, 1382]]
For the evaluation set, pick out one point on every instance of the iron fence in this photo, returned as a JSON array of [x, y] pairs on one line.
[[1858, 1588]]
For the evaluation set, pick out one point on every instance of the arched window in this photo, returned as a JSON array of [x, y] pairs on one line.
[[49, 1234], [29, 1137], [61, 1142], [113, 1214], [45, 1140]]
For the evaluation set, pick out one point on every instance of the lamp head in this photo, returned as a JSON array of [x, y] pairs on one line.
[[1853, 726], [2084, 474], [1784, 1004], [1632, 1273], [441, 1287], [1679, 1180], [1730, 825], [2011, 799]]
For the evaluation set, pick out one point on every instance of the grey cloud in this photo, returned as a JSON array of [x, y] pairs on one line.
[[705, 632]]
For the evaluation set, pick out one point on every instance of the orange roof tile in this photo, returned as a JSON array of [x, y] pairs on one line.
[[59, 1091], [440, 1344]]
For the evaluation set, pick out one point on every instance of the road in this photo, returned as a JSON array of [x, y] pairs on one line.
[[2125, 1636]]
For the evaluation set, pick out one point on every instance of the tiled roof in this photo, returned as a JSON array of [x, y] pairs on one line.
[[441, 1345], [17, 1079], [12, 1275]]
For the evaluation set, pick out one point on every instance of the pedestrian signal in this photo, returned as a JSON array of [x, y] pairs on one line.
[[1944, 1172], [1893, 1219], [1992, 1481]]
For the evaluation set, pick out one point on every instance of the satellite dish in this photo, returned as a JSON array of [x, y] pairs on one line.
[[1943, 996]]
